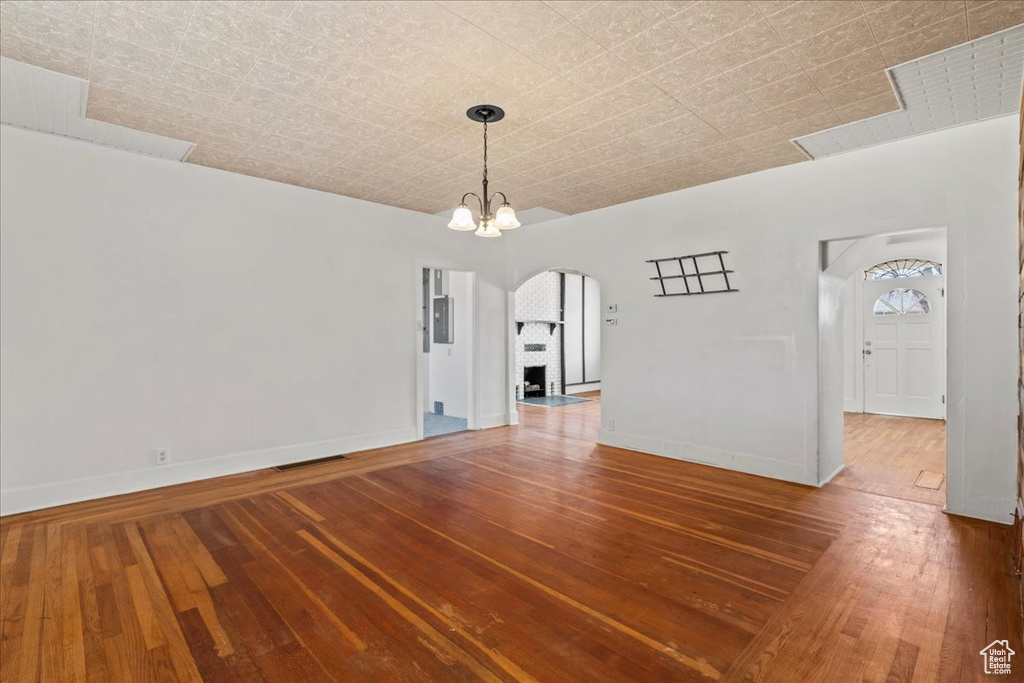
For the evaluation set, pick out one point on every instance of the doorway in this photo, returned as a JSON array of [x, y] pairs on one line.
[[445, 368], [557, 340], [890, 337]]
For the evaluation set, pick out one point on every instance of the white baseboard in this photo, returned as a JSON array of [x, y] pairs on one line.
[[28, 498], [832, 476], [729, 460], [989, 509], [499, 420], [582, 388]]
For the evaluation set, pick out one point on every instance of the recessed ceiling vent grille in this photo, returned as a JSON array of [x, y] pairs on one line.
[[48, 102], [977, 80]]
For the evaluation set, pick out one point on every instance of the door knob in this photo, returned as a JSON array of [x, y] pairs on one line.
[[867, 352]]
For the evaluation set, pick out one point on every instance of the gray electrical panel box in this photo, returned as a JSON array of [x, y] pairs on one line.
[[444, 328]]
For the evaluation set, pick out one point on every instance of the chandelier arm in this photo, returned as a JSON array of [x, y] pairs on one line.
[[504, 199], [480, 201]]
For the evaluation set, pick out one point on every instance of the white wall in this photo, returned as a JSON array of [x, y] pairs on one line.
[[449, 363], [239, 322], [731, 380]]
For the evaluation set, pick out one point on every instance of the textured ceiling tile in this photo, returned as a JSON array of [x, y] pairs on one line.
[[781, 92], [41, 54], [737, 115], [232, 27], [872, 85], [708, 21], [273, 10], [899, 18], [570, 8], [656, 46], [62, 34], [812, 124], [868, 107], [106, 48], [200, 103], [552, 96], [600, 73], [564, 49], [670, 8], [932, 38], [683, 73], [765, 138], [176, 12], [343, 24], [994, 16], [753, 41], [872, 5], [630, 95], [296, 52], [805, 19], [768, 69], [154, 32], [77, 12], [612, 23], [230, 61], [770, 7], [835, 43], [201, 80], [280, 79], [707, 93], [515, 23], [798, 110], [116, 78], [857, 65]]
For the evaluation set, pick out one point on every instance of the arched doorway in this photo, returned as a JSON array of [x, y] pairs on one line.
[[555, 353]]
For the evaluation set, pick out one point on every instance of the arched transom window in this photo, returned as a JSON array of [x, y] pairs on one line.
[[901, 301], [903, 268]]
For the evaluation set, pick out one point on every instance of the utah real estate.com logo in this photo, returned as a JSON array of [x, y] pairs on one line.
[[997, 657]]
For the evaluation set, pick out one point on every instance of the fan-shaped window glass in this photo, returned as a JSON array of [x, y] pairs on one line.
[[903, 268], [902, 302]]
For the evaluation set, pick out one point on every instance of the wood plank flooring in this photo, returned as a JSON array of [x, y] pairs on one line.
[[902, 457], [524, 553]]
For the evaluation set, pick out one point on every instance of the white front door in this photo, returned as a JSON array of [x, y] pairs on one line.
[[904, 347]]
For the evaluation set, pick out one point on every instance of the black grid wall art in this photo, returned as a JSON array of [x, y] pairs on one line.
[[692, 274]]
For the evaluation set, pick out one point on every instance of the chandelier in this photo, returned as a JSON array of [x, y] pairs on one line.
[[491, 224]]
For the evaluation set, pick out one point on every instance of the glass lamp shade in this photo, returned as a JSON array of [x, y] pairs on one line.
[[505, 218], [462, 219], [488, 229]]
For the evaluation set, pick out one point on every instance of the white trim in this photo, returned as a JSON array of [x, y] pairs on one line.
[[499, 420], [702, 455], [832, 476], [982, 507], [27, 498], [582, 388]]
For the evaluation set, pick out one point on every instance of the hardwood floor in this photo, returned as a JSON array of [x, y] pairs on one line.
[[902, 457], [523, 553]]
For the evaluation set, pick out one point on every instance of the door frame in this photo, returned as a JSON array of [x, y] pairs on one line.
[[472, 371], [828, 408]]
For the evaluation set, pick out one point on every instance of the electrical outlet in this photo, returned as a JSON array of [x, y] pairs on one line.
[[609, 425], [163, 456]]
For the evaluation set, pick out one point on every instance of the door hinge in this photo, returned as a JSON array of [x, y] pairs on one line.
[[942, 291], [943, 399]]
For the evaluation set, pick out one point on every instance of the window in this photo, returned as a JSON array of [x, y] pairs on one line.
[[903, 268], [902, 302]]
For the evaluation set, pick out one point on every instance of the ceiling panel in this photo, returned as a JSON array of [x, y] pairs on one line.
[[605, 101]]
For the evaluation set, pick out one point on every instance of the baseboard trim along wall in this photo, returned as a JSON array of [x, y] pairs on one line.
[[28, 498], [499, 420], [832, 476], [982, 507], [702, 455]]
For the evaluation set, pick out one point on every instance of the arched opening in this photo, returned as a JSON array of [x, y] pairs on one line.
[[555, 353]]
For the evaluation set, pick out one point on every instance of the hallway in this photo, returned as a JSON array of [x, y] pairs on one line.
[[899, 457]]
